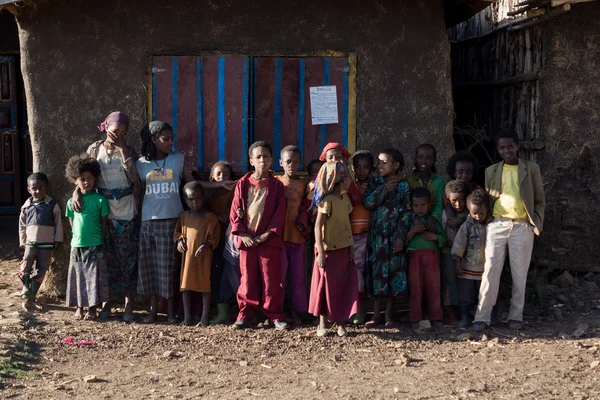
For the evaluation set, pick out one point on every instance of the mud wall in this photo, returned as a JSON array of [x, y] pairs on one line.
[[570, 122], [82, 60]]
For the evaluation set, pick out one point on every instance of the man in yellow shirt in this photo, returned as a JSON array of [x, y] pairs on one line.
[[517, 200]]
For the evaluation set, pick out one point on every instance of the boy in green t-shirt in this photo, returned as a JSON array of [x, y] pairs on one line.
[[87, 284]]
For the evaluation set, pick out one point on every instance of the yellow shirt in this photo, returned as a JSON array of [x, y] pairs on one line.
[[510, 204], [337, 232]]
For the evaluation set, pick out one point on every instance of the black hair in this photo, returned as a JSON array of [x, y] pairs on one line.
[[312, 164], [507, 133], [396, 156], [194, 187], [291, 149], [457, 186], [461, 156], [363, 155], [420, 193], [260, 143], [150, 131], [430, 147], [478, 197], [77, 165], [221, 164], [37, 176]]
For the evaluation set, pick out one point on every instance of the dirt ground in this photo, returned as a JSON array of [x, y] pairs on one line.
[[556, 356]]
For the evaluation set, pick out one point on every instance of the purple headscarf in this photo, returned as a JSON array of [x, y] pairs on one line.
[[113, 117]]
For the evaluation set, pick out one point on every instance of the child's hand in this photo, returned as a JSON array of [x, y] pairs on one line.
[[262, 238], [429, 236], [201, 250], [77, 203], [181, 246], [398, 246], [351, 253], [248, 240], [224, 219], [229, 185], [458, 266], [321, 259], [301, 228], [240, 213]]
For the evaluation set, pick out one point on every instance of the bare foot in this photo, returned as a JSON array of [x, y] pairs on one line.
[[171, 320], [150, 318], [37, 307], [185, 322], [204, 321], [79, 313]]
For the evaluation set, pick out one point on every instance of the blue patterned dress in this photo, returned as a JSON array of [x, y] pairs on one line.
[[385, 271]]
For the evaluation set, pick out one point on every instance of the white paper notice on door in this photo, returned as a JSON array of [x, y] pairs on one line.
[[323, 105]]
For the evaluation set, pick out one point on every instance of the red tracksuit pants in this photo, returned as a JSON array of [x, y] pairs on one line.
[[260, 284], [424, 282]]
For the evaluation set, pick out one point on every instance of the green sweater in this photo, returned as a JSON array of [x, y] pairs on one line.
[[417, 242]]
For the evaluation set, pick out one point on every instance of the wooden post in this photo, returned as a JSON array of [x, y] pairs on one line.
[[553, 13]]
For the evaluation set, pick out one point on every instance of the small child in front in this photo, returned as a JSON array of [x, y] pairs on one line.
[[456, 193], [334, 288], [40, 231], [87, 283], [425, 238], [293, 256], [257, 217], [468, 253], [517, 203], [196, 235]]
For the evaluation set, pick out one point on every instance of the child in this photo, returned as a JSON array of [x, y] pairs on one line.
[[388, 198], [333, 293], [462, 166], [87, 283], [456, 193], [224, 275], [40, 231], [117, 182], [257, 217], [362, 165], [517, 203], [293, 256], [162, 172], [196, 235], [312, 169], [425, 237], [468, 253], [425, 175]]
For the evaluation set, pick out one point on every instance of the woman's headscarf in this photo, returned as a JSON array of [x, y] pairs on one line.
[[113, 117], [330, 174], [152, 130], [337, 146]]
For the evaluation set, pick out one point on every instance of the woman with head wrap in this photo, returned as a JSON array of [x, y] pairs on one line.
[[117, 182], [334, 287]]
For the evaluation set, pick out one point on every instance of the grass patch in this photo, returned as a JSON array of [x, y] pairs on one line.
[[17, 360]]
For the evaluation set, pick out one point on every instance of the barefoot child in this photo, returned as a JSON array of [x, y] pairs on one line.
[[517, 204], [425, 175], [425, 237], [456, 193], [468, 253], [334, 288], [362, 165], [257, 218], [293, 256], [388, 198], [196, 235], [87, 283], [40, 231], [223, 273]]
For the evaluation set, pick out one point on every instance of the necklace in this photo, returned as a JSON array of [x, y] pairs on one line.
[[159, 168]]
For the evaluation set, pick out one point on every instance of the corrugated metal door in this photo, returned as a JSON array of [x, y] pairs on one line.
[[219, 105]]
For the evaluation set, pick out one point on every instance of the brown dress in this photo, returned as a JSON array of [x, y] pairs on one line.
[[195, 271]]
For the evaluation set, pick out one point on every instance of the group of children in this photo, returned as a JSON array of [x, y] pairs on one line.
[[375, 236]]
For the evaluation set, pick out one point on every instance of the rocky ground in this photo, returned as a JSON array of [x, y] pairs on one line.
[[556, 356]]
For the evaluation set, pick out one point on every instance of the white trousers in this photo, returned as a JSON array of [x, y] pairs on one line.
[[516, 237]]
